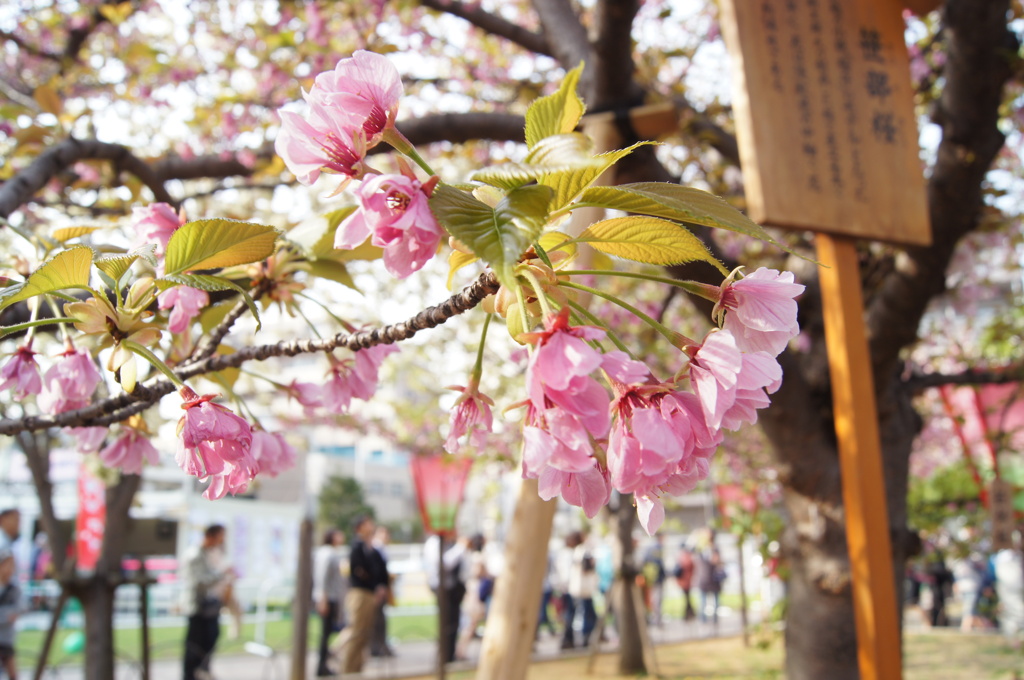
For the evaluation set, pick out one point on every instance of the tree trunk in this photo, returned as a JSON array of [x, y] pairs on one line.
[[512, 621], [97, 597], [631, 648]]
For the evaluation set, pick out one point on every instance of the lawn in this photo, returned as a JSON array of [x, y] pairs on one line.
[[929, 656]]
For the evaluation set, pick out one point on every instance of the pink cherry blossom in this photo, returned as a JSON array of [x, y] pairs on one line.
[[273, 453], [559, 372], [21, 373], [310, 395], [69, 383], [471, 417], [185, 304], [761, 310], [355, 377], [154, 224], [555, 438], [349, 109], [589, 490], [87, 439], [731, 385], [129, 451], [215, 443], [361, 92], [394, 211]]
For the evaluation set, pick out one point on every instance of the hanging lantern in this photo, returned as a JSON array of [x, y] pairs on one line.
[[440, 481]]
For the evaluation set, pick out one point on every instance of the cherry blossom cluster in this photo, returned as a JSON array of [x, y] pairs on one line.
[[583, 437]]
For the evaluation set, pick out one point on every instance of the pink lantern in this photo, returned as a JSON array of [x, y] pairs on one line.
[[440, 481]]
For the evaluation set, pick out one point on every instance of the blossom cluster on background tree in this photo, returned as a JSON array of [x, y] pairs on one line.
[[635, 433]]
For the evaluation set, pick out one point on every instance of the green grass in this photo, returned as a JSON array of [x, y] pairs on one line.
[[167, 642]]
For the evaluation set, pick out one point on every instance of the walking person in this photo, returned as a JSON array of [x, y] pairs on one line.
[[204, 583], [329, 587], [564, 564], [583, 583], [710, 575], [367, 588], [684, 577], [474, 604], [11, 607], [452, 555], [379, 640]]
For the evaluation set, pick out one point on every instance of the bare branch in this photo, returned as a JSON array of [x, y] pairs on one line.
[[493, 24], [22, 187], [463, 127], [613, 53], [29, 48], [116, 409], [918, 381], [570, 46]]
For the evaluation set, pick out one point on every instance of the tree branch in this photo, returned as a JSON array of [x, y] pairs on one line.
[[116, 409], [493, 24], [613, 54], [976, 72], [22, 187], [918, 381], [462, 127], [571, 45]]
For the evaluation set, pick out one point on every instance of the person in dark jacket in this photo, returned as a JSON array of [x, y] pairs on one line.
[[367, 588]]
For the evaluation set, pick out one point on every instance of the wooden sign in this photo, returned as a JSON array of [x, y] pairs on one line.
[[825, 118], [1003, 515]]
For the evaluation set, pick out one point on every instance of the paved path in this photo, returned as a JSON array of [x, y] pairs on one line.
[[414, 658]]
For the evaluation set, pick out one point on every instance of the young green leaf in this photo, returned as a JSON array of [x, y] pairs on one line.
[[557, 113], [67, 269], [570, 183], [559, 153], [498, 235], [218, 243], [679, 203], [332, 270], [456, 261], [67, 233], [649, 240]]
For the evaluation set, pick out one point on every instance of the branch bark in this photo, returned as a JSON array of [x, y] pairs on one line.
[[559, 18], [493, 24], [116, 409]]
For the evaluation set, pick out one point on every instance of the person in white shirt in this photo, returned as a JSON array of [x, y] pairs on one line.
[[455, 571], [329, 586], [204, 585]]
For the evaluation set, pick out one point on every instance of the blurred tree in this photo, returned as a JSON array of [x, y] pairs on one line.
[[341, 501]]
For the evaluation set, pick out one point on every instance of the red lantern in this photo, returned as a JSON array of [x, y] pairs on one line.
[[440, 481]]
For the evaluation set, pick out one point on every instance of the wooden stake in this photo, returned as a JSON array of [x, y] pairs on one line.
[[856, 421]]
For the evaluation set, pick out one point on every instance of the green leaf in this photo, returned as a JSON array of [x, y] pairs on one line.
[[557, 113], [559, 153], [679, 203], [332, 270], [649, 240], [67, 269], [569, 184], [456, 261], [498, 235], [68, 233], [218, 243], [210, 283], [115, 266]]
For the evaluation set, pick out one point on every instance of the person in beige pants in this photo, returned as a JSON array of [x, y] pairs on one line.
[[368, 587]]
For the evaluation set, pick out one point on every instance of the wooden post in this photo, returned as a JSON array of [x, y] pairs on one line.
[[856, 419], [303, 590], [144, 581], [508, 636], [744, 619], [442, 608]]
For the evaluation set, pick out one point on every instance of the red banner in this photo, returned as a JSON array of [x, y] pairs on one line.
[[91, 520], [439, 482]]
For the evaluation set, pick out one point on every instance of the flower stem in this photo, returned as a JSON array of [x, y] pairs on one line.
[[677, 339], [7, 330], [538, 290], [586, 314], [402, 145], [701, 289], [158, 363], [478, 367]]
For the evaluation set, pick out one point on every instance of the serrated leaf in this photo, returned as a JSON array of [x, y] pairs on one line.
[[210, 283], [679, 203], [218, 243], [67, 269], [332, 270], [569, 184], [456, 261], [557, 113], [649, 240], [553, 240], [115, 266], [68, 233], [498, 235], [559, 153]]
